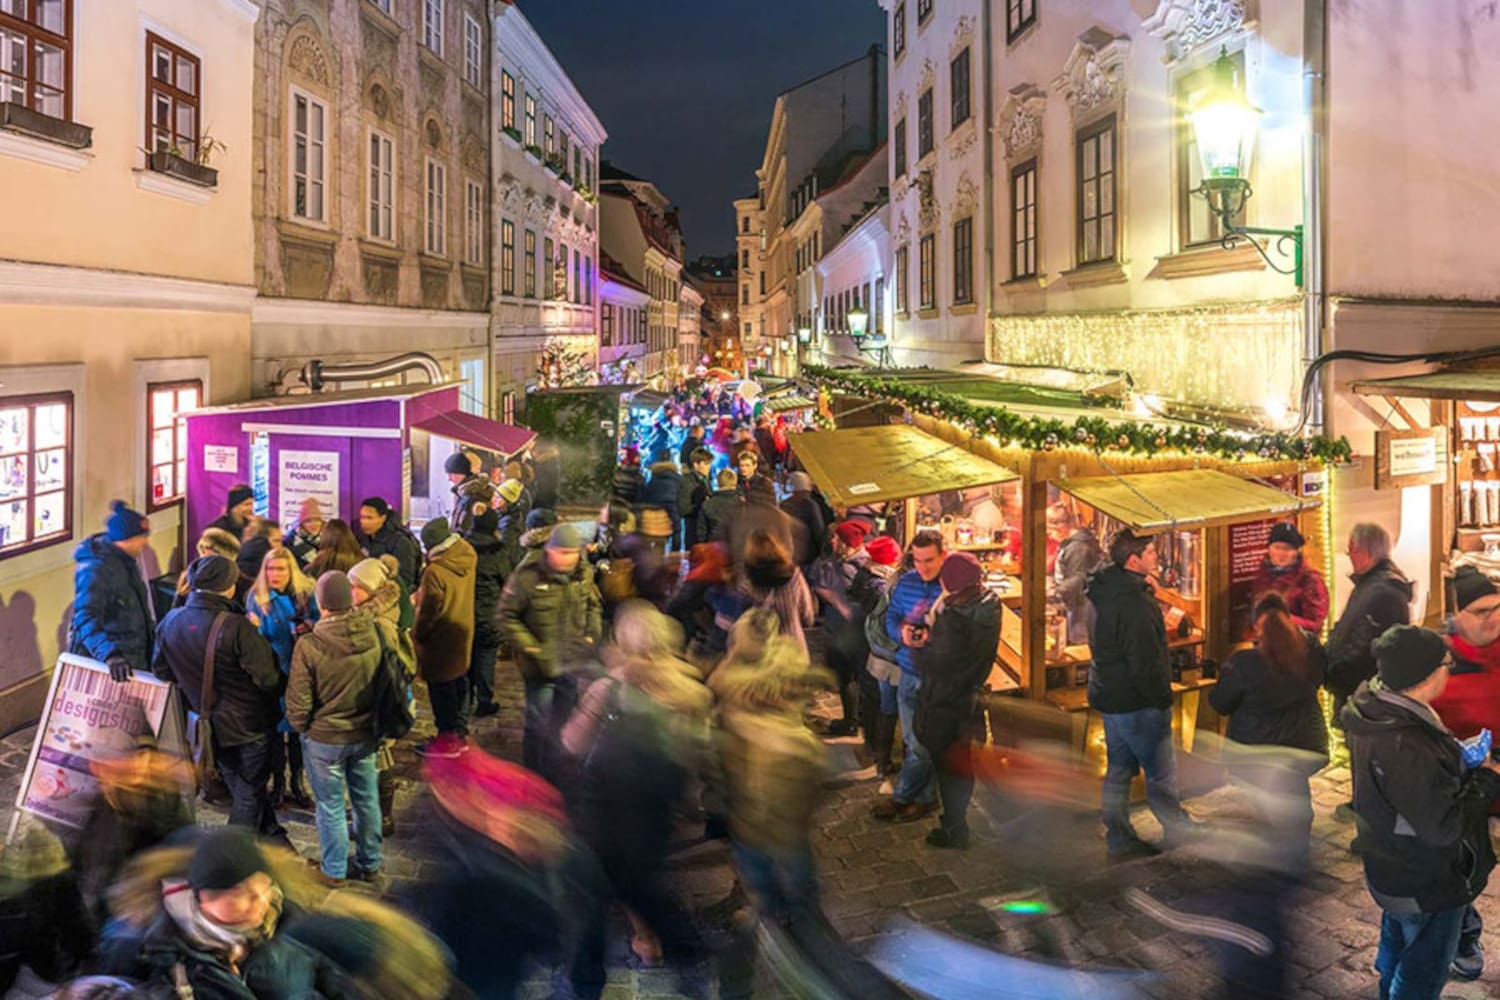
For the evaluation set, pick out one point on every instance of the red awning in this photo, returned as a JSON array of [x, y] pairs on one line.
[[478, 432]]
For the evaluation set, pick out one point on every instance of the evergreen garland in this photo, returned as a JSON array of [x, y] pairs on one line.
[[1094, 433]]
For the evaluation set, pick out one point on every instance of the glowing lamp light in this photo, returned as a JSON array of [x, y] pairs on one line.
[[1275, 411], [859, 322], [724, 315], [804, 334], [1224, 123]]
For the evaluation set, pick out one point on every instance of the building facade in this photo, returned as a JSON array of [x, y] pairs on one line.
[[940, 176], [750, 243], [622, 323], [545, 148], [126, 284], [639, 230], [718, 279], [690, 325], [371, 201]]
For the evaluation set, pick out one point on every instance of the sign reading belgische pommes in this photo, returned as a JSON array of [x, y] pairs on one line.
[[307, 475], [1411, 458]]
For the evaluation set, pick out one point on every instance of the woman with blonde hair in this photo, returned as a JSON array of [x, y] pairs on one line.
[[281, 605]]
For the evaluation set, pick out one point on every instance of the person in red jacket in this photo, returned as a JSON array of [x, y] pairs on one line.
[[1471, 702], [1285, 573]]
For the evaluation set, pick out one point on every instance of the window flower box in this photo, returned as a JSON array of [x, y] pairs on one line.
[[513, 132], [535, 151], [19, 118], [183, 169]]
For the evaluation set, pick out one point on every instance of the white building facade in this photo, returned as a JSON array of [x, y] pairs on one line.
[[622, 324], [546, 223], [640, 233]]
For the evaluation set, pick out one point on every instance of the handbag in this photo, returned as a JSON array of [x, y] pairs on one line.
[[200, 729]]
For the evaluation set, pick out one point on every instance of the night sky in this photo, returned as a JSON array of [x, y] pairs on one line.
[[685, 87]]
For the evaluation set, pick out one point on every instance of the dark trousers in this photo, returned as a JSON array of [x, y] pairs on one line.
[[549, 702], [450, 705], [482, 663], [955, 781], [246, 769], [1415, 952], [286, 752]]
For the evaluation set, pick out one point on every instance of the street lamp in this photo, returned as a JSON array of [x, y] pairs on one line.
[[1224, 123], [859, 325], [804, 334]]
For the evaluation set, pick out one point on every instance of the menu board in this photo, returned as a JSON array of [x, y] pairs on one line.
[[1247, 551]]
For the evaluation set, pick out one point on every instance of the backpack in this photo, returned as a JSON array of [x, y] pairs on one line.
[[392, 712], [881, 644]]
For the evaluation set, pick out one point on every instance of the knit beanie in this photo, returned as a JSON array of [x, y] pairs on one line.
[[123, 523], [540, 517], [457, 464], [369, 575], [238, 495], [1469, 585], [333, 591], [564, 536], [960, 572], [214, 574], [1406, 655], [224, 859], [851, 533], [1286, 533], [510, 490], [883, 550], [435, 532]]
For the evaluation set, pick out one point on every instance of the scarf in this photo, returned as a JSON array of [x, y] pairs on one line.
[[233, 944]]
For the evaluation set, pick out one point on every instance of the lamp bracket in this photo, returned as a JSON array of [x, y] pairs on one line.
[[1226, 197]]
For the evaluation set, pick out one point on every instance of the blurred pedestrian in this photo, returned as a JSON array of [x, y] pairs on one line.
[[338, 551], [754, 483], [494, 562], [694, 492], [381, 533], [720, 508], [239, 508], [472, 493], [380, 951], [444, 632], [628, 479], [1078, 554], [1381, 598], [768, 578], [662, 489], [880, 679], [282, 606], [305, 535], [112, 613], [802, 507], [539, 525], [843, 617], [1299, 584]]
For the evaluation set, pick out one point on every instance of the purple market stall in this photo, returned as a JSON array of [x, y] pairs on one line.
[[336, 448]]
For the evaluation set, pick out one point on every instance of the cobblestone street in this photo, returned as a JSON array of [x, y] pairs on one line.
[[876, 875]]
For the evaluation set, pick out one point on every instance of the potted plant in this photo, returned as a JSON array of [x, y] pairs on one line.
[[173, 163], [513, 132], [535, 150]]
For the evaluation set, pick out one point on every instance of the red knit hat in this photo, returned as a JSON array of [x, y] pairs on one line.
[[883, 550], [851, 533], [506, 785], [960, 572]]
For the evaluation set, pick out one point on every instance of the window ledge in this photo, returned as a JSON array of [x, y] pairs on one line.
[[307, 231], [435, 261], [1107, 272], [931, 313], [1206, 260], [51, 154], [1026, 283], [433, 60], [381, 249], [380, 19], [171, 187], [963, 309], [469, 267]]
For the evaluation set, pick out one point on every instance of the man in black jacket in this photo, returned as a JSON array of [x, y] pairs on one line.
[[497, 558], [111, 608], [694, 491], [239, 508], [1130, 686], [1423, 814], [246, 685], [1381, 598], [381, 534]]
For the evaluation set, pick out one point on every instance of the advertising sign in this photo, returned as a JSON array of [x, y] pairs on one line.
[[1410, 458], [221, 458], [307, 475], [260, 473], [90, 717]]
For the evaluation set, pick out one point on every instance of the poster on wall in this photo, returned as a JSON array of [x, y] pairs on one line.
[[221, 458], [88, 718], [307, 475], [1247, 550], [260, 473]]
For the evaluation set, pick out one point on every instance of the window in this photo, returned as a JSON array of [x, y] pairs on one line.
[[745, 224], [549, 278], [898, 31], [530, 268], [382, 191], [606, 325], [36, 454], [166, 455], [36, 57], [508, 407], [473, 52], [1019, 15], [530, 120], [745, 295], [173, 84], [924, 11], [901, 279], [745, 258], [926, 272], [958, 80], [900, 143], [309, 166], [549, 133], [1023, 220], [432, 25], [1198, 225], [878, 305], [562, 147], [384, 5], [577, 275], [471, 398], [1096, 192], [963, 261], [437, 197], [474, 223], [588, 172], [507, 257], [588, 281], [561, 286], [507, 100], [924, 123], [578, 164]]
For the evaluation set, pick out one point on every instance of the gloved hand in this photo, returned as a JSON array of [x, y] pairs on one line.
[[119, 668]]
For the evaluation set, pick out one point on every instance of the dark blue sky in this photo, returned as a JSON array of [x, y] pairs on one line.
[[685, 87]]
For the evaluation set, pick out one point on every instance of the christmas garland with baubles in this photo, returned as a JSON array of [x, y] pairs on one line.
[[1094, 433]]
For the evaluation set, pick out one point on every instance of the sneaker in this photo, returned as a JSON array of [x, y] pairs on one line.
[[368, 877], [485, 709], [1468, 964], [957, 840], [842, 727], [909, 811], [323, 878]]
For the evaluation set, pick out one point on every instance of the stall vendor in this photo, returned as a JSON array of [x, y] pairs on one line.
[[1286, 573]]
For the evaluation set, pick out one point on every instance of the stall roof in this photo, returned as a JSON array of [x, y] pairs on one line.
[[1189, 498], [478, 432], [293, 400], [781, 404], [648, 397], [861, 465], [1482, 384]]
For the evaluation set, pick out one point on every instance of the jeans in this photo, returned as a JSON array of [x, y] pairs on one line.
[[450, 706], [781, 887], [1133, 741], [549, 702], [332, 768], [1415, 952], [246, 769], [955, 780], [482, 664], [915, 783]]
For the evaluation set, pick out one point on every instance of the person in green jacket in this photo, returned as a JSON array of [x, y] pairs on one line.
[[551, 614]]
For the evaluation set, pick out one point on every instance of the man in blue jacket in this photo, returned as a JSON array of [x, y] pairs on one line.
[[112, 620], [906, 620]]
